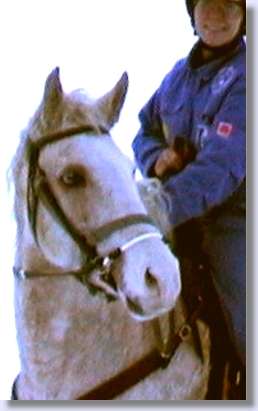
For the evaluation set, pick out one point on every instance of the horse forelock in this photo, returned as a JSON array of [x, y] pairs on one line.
[[72, 111], [79, 109]]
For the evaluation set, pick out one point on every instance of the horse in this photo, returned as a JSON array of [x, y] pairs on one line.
[[93, 277]]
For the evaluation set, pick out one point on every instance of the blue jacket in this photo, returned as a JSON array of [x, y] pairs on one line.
[[207, 106]]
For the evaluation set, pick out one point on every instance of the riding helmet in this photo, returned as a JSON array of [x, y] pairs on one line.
[[190, 4]]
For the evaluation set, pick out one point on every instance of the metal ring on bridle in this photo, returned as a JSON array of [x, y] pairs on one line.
[[40, 190]]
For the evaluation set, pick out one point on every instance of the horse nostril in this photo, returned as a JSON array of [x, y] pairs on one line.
[[151, 280], [134, 306]]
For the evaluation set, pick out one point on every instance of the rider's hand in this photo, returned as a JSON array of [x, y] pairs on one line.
[[175, 157], [169, 161]]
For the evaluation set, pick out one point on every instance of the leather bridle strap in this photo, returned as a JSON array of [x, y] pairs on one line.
[[33, 152], [68, 132], [38, 187], [39, 190], [101, 233], [103, 263], [47, 197]]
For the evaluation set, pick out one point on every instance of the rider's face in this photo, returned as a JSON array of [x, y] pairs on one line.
[[217, 22]]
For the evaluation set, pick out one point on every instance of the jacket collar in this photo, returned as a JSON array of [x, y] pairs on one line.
[[206, 70]]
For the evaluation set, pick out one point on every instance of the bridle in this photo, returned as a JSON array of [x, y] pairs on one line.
[[39, 190]]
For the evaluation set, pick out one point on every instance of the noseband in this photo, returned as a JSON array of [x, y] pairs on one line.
[[39, 189]]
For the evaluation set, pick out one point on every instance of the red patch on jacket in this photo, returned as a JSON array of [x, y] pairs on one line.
[[224, 129]]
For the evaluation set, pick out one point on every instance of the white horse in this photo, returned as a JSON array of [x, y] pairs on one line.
[[80, 221]]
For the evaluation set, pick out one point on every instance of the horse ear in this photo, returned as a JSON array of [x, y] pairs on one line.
[[53, 92], [110, 104]]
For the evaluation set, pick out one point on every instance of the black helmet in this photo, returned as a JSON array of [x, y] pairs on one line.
[[190, 4]]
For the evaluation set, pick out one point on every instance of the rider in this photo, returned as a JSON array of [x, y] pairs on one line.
[[202, 99]]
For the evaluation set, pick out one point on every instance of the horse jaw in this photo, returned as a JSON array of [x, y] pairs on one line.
[[57, 246], [55, 251]]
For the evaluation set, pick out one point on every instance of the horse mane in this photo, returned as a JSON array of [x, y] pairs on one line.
[[15, 174]]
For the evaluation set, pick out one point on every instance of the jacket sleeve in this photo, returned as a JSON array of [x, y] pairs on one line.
[[220, 166], [150, 141]]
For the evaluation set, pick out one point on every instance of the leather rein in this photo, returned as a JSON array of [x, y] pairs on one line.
[[39, 190]]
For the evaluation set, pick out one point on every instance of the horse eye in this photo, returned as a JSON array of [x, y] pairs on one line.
[[72, 177]]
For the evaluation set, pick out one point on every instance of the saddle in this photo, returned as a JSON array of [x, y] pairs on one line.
[[227, 379]]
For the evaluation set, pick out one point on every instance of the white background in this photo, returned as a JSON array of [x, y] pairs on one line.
[[93, 42]]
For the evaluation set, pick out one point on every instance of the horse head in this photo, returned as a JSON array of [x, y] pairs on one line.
[[68, 158]]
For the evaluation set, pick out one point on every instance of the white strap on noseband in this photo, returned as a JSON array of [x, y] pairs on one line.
[[139, 239], [108, 261]]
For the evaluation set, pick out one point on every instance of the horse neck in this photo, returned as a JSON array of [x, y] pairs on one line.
[[71, 341]]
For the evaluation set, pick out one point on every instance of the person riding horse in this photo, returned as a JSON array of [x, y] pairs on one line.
[[202, 99]]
